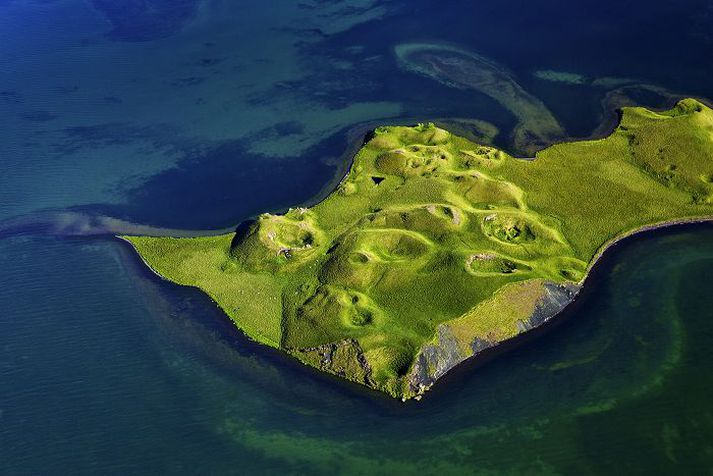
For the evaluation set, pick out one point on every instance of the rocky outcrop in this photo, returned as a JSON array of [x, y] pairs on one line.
[[344, 358], [446, 351], [434, 360]]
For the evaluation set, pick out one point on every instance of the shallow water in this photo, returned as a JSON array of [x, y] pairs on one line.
[[199, 114]]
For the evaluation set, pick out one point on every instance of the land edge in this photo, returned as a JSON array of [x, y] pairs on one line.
[[541, 314]]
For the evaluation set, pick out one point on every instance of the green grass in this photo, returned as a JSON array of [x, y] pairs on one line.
[[430, 231]]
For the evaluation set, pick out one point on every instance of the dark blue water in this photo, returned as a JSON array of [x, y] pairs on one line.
[[198, 114]]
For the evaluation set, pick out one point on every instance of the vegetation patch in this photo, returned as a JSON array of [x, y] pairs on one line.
[[434, 247]]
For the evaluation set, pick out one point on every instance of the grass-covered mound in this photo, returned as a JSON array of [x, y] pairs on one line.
[[433, 248]]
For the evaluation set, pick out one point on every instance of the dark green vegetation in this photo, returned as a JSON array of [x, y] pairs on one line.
[[433, 248]]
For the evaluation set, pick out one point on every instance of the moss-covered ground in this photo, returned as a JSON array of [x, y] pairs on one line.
[[430, 230]]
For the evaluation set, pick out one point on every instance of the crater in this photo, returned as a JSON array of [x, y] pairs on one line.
[[508, 229], [394, 245], [493, 263]]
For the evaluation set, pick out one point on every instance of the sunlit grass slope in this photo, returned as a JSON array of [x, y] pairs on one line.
[[431, 236]]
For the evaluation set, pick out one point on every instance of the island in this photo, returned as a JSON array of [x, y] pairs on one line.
[[434, 248]]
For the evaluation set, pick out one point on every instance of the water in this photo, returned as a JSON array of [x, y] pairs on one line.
[[198, 114]]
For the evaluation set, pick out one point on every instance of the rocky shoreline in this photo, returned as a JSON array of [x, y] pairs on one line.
[[435, 360]]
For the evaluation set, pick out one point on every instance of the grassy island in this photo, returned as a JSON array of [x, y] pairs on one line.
[[434, 248]]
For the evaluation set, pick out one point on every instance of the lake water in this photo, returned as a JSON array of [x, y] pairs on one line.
[[198, 114]]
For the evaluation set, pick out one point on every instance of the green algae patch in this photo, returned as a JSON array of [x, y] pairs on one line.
[[434, 248], [560, 76], [460, 68]]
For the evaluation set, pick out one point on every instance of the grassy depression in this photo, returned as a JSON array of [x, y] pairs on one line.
[[433, 248]]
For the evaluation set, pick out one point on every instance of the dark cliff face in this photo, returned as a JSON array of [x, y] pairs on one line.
[[435, 360], [555, 298]]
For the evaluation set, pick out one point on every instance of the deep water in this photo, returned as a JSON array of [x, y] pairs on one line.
[[197, 114]]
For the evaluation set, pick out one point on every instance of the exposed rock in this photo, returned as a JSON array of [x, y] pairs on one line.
[[555, 298], [436, 359], [479, 345], [344, 358]]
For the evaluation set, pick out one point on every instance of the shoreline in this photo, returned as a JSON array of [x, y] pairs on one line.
[[488, 354], [652, 227]]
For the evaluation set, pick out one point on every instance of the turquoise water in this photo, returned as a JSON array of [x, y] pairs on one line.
[[197, 114]]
